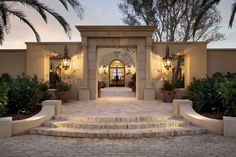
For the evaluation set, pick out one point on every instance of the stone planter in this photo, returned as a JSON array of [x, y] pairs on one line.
[[64, 96], [52, 93], [168, 96]]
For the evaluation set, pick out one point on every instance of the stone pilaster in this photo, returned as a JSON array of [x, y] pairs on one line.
[[149, 91], [84, 90]]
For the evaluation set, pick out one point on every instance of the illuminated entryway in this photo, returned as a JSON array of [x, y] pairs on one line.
[[117, 74]]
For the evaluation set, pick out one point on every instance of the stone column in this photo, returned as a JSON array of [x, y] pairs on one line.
[[149, 91], [92, 71], [140, 71], [84, 90]]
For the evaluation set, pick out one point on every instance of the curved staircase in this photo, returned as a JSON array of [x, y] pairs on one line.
[[117, 127]]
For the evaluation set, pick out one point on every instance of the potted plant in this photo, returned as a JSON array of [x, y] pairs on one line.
[[168, 93], [63, 91]]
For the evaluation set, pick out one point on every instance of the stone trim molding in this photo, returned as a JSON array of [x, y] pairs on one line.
[[229, 126], [9, 128], [184, 108], [225, 127], [5, 127]]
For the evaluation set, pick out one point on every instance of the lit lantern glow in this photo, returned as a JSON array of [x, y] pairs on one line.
[[104, 69], [66, 60], [167, 60], [129, 68]]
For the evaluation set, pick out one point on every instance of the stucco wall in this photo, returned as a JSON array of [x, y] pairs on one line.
[[38, 62], [13, 62], [221, 60], [195, 61]]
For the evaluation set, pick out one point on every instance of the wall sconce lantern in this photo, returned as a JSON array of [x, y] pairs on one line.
[[104, 69], [66, 59], [128, 69], [167, 60]]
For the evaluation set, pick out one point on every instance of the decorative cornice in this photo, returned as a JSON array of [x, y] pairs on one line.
[[83, 28]]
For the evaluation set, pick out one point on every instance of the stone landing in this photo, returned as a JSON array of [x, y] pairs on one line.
[[117, 117]]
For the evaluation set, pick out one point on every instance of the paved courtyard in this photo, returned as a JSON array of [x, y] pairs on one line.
[[115, 102], [120, 102], [184, 146]]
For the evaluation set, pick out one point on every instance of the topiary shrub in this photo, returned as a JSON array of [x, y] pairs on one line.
[[3, 98], [23, 94]]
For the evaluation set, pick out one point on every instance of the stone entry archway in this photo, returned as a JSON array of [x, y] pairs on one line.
[[138, 37]]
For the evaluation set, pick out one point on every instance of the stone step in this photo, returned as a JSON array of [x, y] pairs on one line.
[[114, 119], [117, 133], [116, 125]]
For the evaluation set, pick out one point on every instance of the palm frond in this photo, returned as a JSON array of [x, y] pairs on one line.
[[23, 18], [75, 4], [1, 33], [206, 5], [64, 3], [60, 19], [35, 4], [3, 14], [231, 21]]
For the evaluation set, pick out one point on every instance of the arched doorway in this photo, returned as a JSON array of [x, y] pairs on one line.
[[116, 74]]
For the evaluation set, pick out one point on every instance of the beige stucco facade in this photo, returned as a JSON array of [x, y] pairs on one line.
[[86, 55], [13, 62]]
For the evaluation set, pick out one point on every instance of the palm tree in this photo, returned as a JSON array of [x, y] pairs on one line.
[[206, 5], [6, 10], [232, 14]]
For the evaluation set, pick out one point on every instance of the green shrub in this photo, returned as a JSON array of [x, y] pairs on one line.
[[23, 94], [3, 98], [54, 79], [6, 78], [228, 93], [167, 86], [63, 86], [44, 94], [205, 92], [178, 83]]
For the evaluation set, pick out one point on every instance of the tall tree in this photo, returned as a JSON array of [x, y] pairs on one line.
[[208, 3], [7, 10], [175, 19]]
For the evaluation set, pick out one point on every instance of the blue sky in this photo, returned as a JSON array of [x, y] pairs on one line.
[[97, 12]]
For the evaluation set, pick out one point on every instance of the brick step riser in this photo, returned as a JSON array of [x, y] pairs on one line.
[[113, 119], [115, 126], [117, 135]]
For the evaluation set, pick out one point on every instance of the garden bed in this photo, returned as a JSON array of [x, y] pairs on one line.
[[212, 115], [22, 116]]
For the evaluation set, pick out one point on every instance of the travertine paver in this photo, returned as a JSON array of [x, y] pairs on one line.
[[117, 102], [184, 146], [118, 114]]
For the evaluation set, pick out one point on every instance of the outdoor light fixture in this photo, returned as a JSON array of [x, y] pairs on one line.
[[66, 60], [128, 69], [167, 60], [104, 69]]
